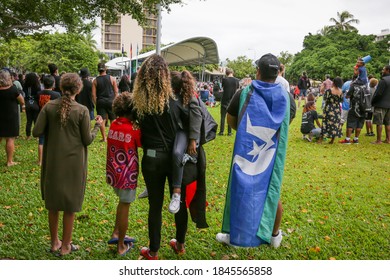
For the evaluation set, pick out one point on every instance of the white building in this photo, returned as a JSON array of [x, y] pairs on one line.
[[127, 33], [381, 36]]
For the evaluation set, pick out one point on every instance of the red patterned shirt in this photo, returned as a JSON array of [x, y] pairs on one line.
[[122, 155]]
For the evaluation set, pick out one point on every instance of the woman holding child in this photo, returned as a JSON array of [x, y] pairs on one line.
[[153, 101]]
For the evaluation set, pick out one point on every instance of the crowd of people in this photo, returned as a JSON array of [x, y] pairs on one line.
[[160, 111], [363, 100]]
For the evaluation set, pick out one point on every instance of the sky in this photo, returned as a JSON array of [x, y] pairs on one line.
[[256, 27]]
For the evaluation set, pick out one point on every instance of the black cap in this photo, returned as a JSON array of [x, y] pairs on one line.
[[268, 65], [101, 66], [84, 73]]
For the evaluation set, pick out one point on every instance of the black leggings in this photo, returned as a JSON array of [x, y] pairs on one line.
[[223, 117], [31, 116], [155, 171]]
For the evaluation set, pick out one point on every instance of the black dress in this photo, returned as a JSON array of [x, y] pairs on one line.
[[9, 116]]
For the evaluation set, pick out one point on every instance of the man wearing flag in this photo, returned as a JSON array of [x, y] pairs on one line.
[[261, 115]]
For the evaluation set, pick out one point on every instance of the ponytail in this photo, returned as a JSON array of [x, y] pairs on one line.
[[70, 85], [65, 107]]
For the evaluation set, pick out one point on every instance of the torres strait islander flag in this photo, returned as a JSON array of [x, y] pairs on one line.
[[257, 165]]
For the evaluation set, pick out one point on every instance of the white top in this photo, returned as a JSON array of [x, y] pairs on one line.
[[283, 82]]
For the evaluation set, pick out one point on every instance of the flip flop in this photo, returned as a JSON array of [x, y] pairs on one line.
[[130, 245], [128, 239], [73, 248]]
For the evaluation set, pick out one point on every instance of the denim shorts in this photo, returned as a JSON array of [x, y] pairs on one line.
[[303, 92], [125, 195]]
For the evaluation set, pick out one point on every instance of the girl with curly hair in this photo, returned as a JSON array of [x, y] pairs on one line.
[[65, 124], [187, 137]]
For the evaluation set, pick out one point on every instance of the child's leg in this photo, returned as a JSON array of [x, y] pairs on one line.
[[179, 148], [122, 224], [53, 227]]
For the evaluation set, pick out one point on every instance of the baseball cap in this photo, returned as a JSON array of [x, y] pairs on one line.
[[268, 65], [84, 72], [101, 66]]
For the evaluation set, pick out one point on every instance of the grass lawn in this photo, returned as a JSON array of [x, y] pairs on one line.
[[335, 198]]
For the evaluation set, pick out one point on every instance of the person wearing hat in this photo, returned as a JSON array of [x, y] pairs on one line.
[[85, 95], [260, 114], [104, 91]]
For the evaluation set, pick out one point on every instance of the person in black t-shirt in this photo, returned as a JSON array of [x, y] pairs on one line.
[[309, 116], [230, 85], [104, 91], [85, 95], [44, 97], [54, 72]]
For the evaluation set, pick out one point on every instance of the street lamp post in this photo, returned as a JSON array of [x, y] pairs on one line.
[[158, 40]]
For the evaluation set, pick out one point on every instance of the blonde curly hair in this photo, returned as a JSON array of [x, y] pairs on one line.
[[152, 88], [70, 85]]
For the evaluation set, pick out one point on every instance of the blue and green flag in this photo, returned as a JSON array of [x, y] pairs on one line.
[[257, 164]]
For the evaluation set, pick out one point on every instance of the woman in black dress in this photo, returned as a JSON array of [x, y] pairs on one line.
[[31, 88], [9, 117]]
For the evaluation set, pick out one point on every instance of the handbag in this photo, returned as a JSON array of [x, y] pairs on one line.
[[209, 126], [31, 102]]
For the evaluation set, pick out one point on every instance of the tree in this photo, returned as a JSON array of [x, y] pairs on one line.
[[17, 18], [68, 50], [344, 21], [286, 58], [242, 67], [336, 54]]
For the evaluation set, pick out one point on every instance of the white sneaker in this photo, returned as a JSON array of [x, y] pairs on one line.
[[276, 240], [223, 238], [174, 206]]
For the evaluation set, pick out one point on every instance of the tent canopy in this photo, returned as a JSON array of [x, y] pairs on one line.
[[193, 51], [118, 63]]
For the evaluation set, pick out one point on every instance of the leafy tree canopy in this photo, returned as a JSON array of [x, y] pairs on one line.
[[69, 51], [336, 54], [30, 16], [242, 67]]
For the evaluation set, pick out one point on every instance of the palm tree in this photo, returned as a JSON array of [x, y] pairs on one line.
[[326, 30], [344, 21]]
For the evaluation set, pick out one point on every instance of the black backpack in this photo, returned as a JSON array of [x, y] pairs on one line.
[[362, 100]]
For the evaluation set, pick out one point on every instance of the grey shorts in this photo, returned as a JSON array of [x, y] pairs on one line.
[[344, 116], [125, 195], [381, 116], [354, 121]]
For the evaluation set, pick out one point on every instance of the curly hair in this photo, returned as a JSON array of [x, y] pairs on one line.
[[123, 105], [152, 88], [184, 84], [70, 85]]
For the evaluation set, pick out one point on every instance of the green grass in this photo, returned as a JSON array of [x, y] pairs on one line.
[[335, 198]]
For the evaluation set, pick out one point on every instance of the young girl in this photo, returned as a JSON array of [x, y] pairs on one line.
[[122, 167], [185, 145], [309, 115]]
